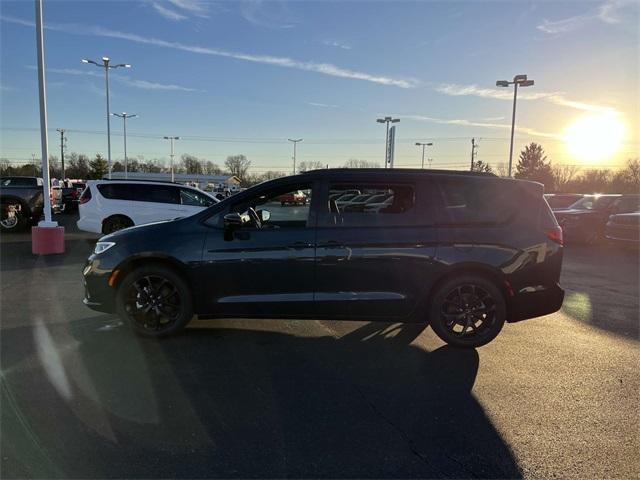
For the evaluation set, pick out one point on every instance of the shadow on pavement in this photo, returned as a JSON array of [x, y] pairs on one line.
[[91, 400]]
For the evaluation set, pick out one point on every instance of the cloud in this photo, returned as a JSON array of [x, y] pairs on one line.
[[322, 105], [556, 98], [168, 13], [607, 12], [284, 62], [123, 79], [333, 43], [471, 123], [256, 13], [195, 7]]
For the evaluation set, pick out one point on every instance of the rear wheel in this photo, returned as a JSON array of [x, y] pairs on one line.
[[468, 311], [115, 223], [155, 301]]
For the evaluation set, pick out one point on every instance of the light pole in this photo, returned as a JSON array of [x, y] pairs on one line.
[[295, 142], [522, 81], [171, 139], [107, 67], [387, 120], [124, 116], [424, 145]]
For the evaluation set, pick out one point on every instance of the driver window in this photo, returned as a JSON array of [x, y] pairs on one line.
[[288, 206]]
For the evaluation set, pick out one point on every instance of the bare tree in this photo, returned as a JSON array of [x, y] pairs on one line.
[[357, 163], [480, 166], [211, 168], [306, 165], [563, 175], [238, 165], [191, 164]]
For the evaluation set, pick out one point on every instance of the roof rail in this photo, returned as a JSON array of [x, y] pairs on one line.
[[402, 170]]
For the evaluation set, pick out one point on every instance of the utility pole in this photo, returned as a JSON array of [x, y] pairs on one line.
[[62, 139], [33, 159], [295, 142], [474, 146], [171, 139]]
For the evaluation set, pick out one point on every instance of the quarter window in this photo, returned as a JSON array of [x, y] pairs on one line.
[[476, 201]]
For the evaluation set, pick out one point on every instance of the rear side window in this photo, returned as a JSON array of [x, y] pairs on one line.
[[140, 192], [371, 204], [469, 201]]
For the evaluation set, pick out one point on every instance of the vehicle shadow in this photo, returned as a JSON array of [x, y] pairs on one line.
[[243, 403]]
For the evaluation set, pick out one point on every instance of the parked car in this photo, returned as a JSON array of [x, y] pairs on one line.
[[110, 205], [21, 202], [585, 220], [561, 201], [463, 250], [373, 199], [293, 198], [624, 229], [69, 199]]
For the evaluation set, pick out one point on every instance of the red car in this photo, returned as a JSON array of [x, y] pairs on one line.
[[293, 198]]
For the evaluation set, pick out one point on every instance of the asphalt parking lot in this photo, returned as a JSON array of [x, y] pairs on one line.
[[556, 396]]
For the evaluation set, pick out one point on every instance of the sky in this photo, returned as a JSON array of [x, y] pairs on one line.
[[240, 77]]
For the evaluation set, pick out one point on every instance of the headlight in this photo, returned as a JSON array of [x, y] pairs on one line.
[[102, 247]]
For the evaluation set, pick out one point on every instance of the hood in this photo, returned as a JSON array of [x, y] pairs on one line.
[[147, 228]]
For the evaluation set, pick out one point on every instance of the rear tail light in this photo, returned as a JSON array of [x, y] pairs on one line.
[[554, 234], [74, 194], [86, 196]]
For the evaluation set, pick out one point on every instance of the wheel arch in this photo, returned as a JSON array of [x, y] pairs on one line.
[[115, 215], [146, 259], [492, 274]]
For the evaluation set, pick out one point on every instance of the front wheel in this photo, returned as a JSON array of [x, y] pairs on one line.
[[155, 301], [468, 311]]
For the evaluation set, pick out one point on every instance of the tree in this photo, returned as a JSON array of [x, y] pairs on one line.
[[356, 163], [563, 176], [191, 164], [98, 167], [306, 165], [533, 165], [480, 166], [76, 166], [211, 168], [117, 166], [238, 165]]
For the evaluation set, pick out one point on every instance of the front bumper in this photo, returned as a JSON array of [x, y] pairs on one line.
[[98, 295], [537, 302]]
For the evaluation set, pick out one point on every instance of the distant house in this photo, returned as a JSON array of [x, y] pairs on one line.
[[230, 182]]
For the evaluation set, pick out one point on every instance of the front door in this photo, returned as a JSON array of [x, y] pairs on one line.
[[262, 268]]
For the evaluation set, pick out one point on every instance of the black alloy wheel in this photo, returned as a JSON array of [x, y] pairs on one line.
[[468, 312], [155, 301]]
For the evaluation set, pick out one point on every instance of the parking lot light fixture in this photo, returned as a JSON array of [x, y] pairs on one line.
[[387, 120], [428, 144], [171, 140], [124, 116], [105, 64], [518, 80]]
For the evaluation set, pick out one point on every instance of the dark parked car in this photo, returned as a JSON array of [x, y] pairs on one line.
[[464, 251], [21, 202], [560, 201], [70, 197], [585, 220], [624, 229]]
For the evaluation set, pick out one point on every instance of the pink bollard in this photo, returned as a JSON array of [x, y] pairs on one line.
[[47, 240]]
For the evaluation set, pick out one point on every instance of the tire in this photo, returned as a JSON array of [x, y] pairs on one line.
[[149, 318], [115, 223], [15, 222], [467, 311]]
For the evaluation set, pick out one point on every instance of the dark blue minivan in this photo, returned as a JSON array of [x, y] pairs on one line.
[[463, 251]]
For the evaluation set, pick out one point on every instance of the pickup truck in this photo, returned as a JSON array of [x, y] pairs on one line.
[[21, 202]]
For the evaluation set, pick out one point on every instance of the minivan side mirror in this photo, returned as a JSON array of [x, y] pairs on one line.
[[264, 215]]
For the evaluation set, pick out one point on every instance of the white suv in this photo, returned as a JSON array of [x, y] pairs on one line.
[[110, 205]]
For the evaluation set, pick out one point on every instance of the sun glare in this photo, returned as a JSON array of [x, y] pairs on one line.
[[594, 137]]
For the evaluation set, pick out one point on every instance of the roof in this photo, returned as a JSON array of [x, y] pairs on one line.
[[401, 171], [178, 177]]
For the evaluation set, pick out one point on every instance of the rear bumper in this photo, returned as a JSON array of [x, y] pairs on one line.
[[89, 225], [535, 302]]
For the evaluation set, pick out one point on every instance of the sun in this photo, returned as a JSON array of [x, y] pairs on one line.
[[594, 137]]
